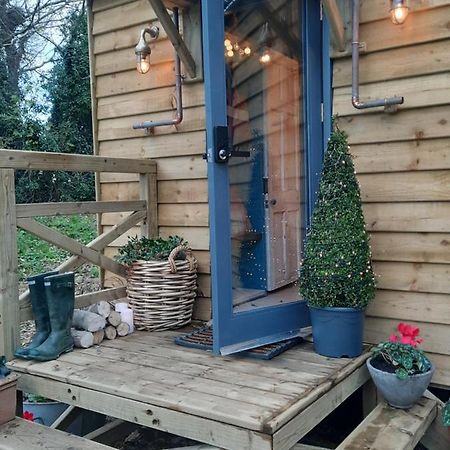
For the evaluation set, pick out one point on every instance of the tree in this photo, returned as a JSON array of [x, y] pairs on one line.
[[69, 127], [337, 269]]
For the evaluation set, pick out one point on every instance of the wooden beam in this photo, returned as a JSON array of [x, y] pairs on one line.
[[73, 208], [9, 294], [336, 23], [436, 436], [149, 193], [174, 36], [103, 430], [287, 436], [23, 160], [99, 243], [71, 245], [388, 428]]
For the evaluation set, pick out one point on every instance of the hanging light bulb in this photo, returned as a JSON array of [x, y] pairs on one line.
[[265, 57], [399, 11], [143, 50], [265, 44]]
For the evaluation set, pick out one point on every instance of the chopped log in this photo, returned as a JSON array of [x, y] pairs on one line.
[[123, 329], [101, 308], [110, 332], [88, 321], [114, 318], [82, 339], [99, 336]]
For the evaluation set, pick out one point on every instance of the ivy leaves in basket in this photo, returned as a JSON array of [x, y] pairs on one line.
[[144, 249]]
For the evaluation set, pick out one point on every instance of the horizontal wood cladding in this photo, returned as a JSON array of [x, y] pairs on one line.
[[406, 186], [414, 216], [159, 100], [121, 16], [163, 146], [125, 59], [379, 9], [416, 306], [421, 26], [435, 336], [402, 162], [396, 63], [162, 75], [411, 247], [407, 156], [416, 277], [122, 127], [125, 97], [424, 91], [414, 124], [173, 191]]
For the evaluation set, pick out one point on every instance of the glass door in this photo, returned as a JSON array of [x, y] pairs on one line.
[[257, 167]]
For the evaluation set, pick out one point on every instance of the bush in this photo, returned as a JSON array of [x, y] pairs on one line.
[[337, 269]]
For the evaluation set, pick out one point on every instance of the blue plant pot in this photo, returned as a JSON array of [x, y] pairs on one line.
[[338, 332], [46, 413], [398, 393]]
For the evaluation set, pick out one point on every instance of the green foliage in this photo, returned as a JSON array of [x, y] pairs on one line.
[[446, 414], [337, 270], [144, 249], [69, 128], [35, 398], [404, 359], [37, 256]]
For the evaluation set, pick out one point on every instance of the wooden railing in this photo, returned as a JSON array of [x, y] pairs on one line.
[[15, 309]]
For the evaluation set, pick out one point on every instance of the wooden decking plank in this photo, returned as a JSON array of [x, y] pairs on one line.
[[200, 429], [304, 373], [22, 434], [238, 364], [387, 428], [174, 375], [305, 420], [130, 381], [305, 401]]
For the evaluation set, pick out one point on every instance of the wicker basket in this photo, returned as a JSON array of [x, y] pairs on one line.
[[162, 293]]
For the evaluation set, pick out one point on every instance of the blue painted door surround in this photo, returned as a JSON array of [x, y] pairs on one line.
[[238, 331]]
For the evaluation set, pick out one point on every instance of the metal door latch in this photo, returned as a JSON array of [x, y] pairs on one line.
[[222, 149]]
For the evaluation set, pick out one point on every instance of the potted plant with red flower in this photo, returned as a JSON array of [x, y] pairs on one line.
[[399, 369]]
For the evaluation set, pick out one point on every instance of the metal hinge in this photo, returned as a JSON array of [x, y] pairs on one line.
[[322, 112], [321, 10]]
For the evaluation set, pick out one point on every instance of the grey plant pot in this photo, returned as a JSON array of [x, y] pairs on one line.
[[398, 393]]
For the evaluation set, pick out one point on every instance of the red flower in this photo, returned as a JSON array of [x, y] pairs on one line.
[[409, 335], [27, 415]]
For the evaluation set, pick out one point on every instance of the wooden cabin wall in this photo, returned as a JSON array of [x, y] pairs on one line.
[[122, 97], [403, 165]]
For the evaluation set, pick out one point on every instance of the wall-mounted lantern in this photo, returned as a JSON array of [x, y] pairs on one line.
[[399, 11], [143, 50]]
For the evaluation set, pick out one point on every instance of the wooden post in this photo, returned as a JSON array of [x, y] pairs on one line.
[[148, 187], [9, 291]]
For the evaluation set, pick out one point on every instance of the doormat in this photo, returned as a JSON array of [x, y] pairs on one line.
[[203, 339]]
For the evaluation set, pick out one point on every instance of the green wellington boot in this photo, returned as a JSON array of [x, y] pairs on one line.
[[40, 313], [60, 292]]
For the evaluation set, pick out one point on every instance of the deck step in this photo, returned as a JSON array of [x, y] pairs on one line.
[[20, 434], [387, 428]]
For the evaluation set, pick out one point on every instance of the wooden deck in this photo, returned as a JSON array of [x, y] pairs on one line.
[[231, 402]]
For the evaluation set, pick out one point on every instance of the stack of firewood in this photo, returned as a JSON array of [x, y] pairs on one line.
[[97, 322]]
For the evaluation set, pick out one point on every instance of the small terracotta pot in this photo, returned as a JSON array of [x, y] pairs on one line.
[[8, 398]]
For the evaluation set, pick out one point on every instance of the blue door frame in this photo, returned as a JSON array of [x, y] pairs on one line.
[[235, 332]]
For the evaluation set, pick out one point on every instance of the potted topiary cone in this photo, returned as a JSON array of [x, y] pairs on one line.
[[336, 276]]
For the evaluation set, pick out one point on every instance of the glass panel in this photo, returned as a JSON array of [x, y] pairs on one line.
[[263, 52]]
